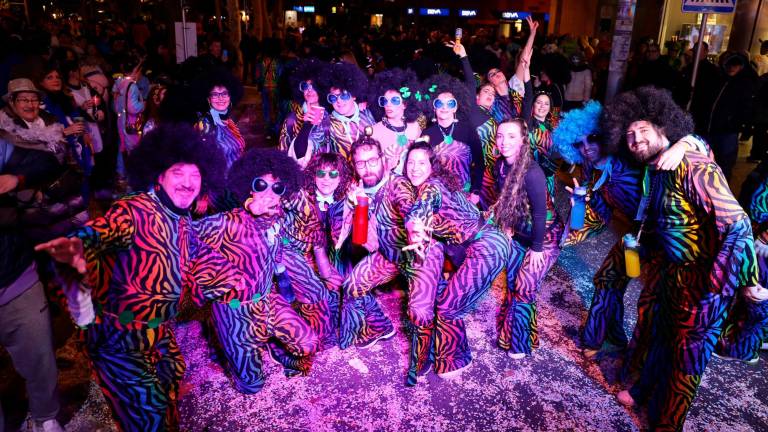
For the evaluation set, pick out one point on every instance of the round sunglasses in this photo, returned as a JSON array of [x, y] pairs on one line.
[[260, 185], [395, 101], [322, 173], [439, 103], [306, 86], [345, 96]]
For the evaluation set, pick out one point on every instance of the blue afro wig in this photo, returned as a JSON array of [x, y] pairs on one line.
[[574, 126]]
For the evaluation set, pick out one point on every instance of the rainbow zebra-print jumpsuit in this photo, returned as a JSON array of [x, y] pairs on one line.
[[458, 224], [390, 202], [344, 131], [746, 328], [245, 319], [300, 143], [706, 242], [141, 257]]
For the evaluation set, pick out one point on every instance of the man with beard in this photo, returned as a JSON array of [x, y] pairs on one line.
[[705, 240], [390, 197], [139, 258]]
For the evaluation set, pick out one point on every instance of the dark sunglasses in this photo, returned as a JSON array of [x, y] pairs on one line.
[[450, 103], [260, 185], [591, 138], [305, 86], [383, 101], [332, 98], [332, 173]]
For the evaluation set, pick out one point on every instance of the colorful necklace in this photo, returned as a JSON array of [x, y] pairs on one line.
[[402, 139], [447, 138]]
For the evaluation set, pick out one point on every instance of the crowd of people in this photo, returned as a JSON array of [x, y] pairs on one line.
[[411, 167]]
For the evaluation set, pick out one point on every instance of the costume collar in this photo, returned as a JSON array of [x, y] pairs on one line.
[[323, 201], [355, 118]]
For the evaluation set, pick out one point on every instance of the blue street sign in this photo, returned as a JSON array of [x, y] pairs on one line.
[[709, 6]]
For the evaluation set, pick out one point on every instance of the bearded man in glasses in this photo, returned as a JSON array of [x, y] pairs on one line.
[[251, 238], [305, 131], [138, 258], [344, 84]]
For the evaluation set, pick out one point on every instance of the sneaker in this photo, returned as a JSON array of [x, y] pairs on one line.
[[371, 342], [625, 398], [725, 357], [454, 373], [51, 425], [516, 356]]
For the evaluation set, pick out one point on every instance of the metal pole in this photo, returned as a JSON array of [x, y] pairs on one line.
[[184, 29], [702, 29], [754, 25]]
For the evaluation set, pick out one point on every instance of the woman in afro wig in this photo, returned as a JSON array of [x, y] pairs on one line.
[[391, 97], [343, 85], [452, 135], [305, 130]]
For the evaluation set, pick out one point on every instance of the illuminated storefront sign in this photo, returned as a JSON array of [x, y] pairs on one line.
[[434, 11], [511, 15], [467, 13]]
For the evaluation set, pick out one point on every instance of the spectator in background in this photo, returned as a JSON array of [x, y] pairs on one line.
[[655, 70], [25, 327], [129, 105], [726, 106], [579, 90]]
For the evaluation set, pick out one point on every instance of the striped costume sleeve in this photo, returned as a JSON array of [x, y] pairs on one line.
[[428, 202], [114, 230], [735, 265]]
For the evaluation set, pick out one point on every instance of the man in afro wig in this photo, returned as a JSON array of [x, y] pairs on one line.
[[170, 144], [701, 242]]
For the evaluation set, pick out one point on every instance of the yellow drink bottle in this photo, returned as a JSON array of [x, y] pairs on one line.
[[631, 256]]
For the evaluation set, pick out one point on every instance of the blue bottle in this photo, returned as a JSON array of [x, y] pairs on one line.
[[579, 207]]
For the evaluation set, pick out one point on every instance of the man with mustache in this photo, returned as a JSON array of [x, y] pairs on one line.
[[138, 258], [705, 241]]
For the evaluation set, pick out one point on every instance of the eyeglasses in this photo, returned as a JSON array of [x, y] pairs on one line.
[[322, 173], [222, 95], [439, 103], [395, 101], [260, 185], [28, 101], [345, 96], [370, 163], [306, 86]]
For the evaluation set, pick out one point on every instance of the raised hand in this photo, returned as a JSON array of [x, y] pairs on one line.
[[66, 250], [457, 48]]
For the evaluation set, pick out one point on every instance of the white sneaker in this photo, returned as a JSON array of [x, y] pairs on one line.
[[454, 373], [51, 425], [371, 343], [749, 362], [516, 356]]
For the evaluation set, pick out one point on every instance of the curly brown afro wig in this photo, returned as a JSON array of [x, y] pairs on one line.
[[169, 144], [343, 76], [645, 103], [308, 69], [399, 80], [258, 162]]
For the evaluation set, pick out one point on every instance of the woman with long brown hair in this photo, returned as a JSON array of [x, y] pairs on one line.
[[521, 212]]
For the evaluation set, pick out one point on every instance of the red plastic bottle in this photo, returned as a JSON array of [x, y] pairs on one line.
[[360, 221]]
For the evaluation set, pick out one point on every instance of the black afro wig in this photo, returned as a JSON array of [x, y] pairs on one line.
[[444, 83], [169, 144], [557, 68], [403, 81], [216, 76], [308, 69], [343, 76], [645, 103], [258, 162]]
